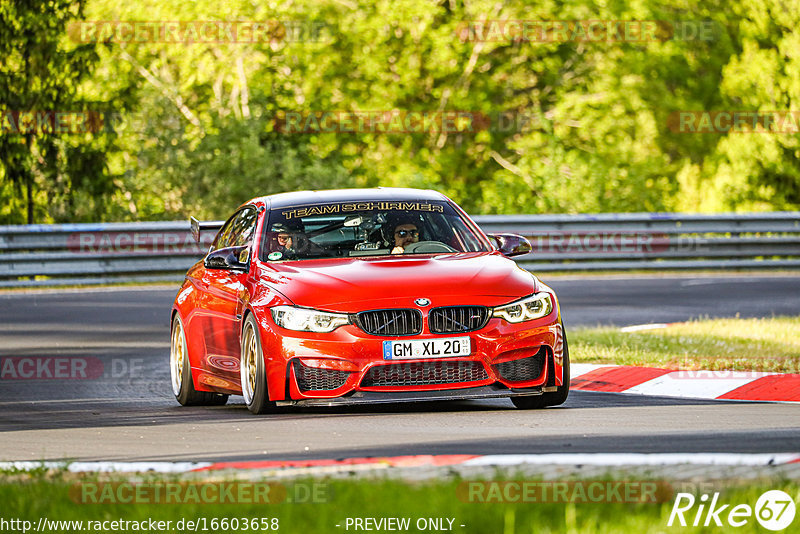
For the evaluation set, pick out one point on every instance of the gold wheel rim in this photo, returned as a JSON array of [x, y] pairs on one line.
[[249, 364], [177, 357]]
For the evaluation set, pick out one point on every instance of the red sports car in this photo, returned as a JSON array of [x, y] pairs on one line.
[[363, 296]]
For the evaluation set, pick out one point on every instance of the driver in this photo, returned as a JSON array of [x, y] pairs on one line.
[[405, 233], [284, 240]]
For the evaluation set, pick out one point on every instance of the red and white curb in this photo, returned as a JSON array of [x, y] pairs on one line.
[[718, 385], [325, 466]]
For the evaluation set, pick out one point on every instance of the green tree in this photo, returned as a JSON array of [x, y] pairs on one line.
[[586, 123], [41, 73], [754, 171]]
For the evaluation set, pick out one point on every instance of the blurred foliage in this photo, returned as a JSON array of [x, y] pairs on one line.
[[46, 176], [195, 129]]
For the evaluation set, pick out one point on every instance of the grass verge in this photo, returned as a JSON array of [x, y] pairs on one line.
[[771, 345], [448, 503]]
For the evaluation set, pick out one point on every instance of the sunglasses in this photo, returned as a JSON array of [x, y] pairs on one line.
[[283, 237], [404, 233]]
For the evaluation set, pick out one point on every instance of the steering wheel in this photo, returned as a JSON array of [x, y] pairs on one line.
[[422, 247]]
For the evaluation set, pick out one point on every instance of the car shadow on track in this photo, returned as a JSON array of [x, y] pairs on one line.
[[87, 413]]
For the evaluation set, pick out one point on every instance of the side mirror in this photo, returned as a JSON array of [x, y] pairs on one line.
[[231, 258], [511, 244]]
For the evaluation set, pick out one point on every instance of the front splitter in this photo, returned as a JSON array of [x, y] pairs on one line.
[[380, 397]]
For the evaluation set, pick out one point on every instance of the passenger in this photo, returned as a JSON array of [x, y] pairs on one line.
[[405, 233], [285, 240]]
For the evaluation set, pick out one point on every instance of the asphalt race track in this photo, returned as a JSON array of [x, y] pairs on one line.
[[126, 411]]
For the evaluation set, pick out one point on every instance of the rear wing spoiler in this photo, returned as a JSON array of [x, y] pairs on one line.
[[199, 226]]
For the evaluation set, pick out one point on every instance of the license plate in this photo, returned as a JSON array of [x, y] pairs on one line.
[[427, 348]]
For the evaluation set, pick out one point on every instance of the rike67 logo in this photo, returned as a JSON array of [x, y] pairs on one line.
[[774, 510]]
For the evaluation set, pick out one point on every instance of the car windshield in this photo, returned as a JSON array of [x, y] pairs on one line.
[[358, 229]]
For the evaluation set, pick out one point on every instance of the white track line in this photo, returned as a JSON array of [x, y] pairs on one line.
[[578, 369], [598, 459], [640, 327], [615, 459], [109, 467]]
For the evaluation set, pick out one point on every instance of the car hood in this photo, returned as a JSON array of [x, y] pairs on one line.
[[355, 284]]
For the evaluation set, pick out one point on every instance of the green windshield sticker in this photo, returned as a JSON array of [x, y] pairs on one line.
[[275, 256]]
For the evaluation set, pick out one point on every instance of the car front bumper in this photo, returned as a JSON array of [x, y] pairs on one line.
[[501, 355], [376, 397]]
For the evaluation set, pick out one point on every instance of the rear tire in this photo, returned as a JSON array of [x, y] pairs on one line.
[[252, 368], [554, 398], [181, 374]]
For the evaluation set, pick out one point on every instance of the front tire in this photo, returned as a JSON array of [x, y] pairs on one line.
[[251, 365], [181, 374], [553, 398]]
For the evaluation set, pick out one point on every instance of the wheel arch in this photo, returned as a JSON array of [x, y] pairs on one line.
[[275, 365]]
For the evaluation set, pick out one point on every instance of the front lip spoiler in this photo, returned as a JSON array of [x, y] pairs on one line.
[[378, 397]]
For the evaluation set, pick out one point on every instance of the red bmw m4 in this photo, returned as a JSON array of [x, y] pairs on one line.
[[363, 296]]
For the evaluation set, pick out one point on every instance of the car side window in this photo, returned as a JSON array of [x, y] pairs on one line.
[[244, 228], [223, 236], [238, 231]]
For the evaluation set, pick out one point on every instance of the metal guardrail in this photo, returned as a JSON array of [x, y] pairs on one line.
[[654, 241], [34, 255], [162, 251]]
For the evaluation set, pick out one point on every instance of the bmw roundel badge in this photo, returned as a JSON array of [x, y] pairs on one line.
[[422, 302]]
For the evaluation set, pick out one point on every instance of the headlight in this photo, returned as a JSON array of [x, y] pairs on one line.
[[307, 320], [527, 309]]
